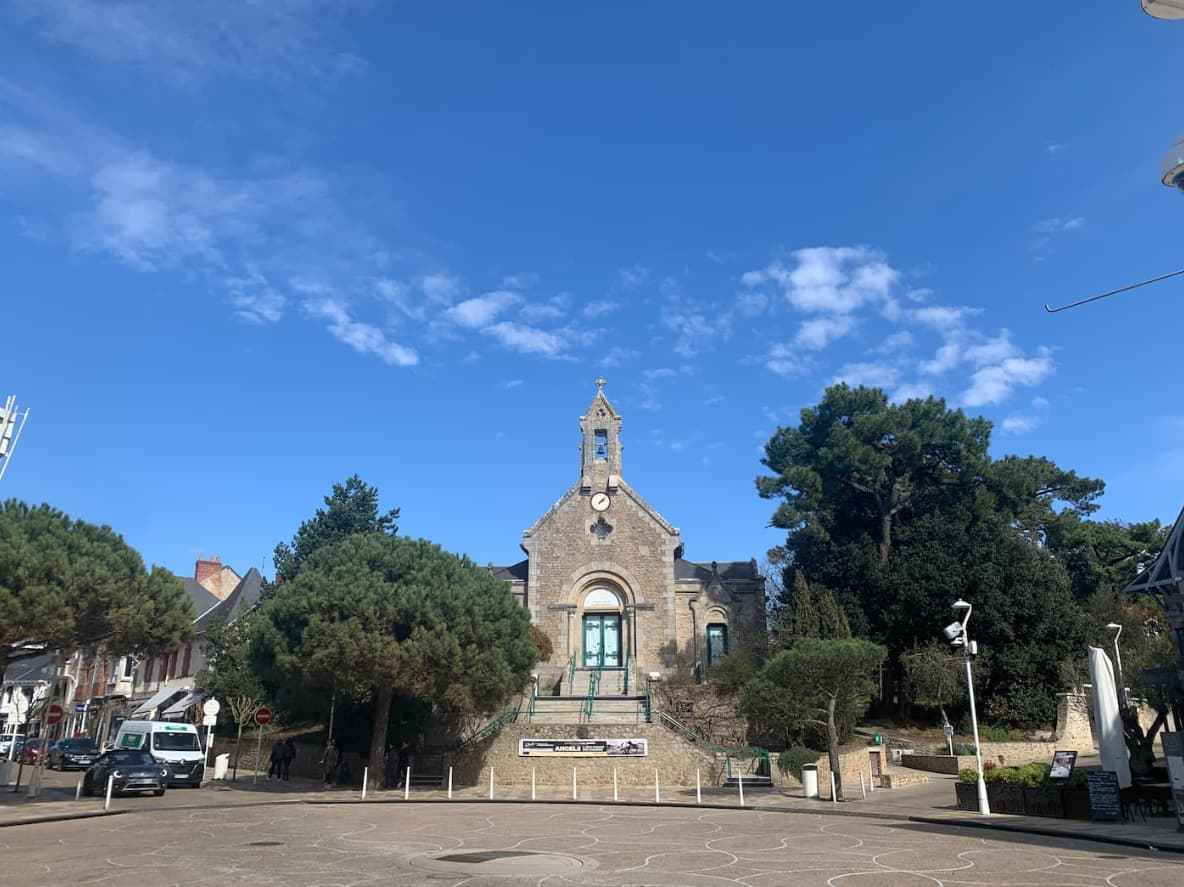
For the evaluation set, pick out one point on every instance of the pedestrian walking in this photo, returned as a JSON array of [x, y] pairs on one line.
[[329, 762], [289, 755], [274, 765]]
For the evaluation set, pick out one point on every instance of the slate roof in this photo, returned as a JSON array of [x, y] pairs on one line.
[[513, 573], [202, 597], [38, 668], [729, 571], [244, 598]]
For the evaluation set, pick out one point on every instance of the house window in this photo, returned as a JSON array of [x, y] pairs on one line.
[[129, 666], [600, 447], [717, 642]]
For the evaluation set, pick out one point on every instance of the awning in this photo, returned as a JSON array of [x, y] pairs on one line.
[[178, 709], [162, 696]]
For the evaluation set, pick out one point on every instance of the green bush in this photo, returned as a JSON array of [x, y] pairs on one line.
[[1029, 775], [791, 761], [963, 748], [1001, 734]]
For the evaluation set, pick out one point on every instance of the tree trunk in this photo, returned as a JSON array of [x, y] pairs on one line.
[[382, 714], [832, 746], [885, 537]]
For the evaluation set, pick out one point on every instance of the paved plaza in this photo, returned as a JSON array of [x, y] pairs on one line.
[[341, 845]]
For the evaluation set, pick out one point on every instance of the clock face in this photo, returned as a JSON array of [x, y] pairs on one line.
[[600, 502]]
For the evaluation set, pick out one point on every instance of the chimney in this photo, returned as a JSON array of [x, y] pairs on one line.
[[206, 568]]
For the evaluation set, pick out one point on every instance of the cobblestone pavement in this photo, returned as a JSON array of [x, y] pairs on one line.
[[475, 844]]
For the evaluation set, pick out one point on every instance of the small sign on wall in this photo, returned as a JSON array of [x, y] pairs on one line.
[[583, 748]]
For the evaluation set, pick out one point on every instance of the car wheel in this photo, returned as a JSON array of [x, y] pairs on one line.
[[158, 792]]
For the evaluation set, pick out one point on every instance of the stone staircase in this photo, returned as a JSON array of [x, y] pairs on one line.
[[612, 682], [575, 710]]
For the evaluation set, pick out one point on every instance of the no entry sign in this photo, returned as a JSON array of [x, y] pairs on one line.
[[263, 716], [53, 714]]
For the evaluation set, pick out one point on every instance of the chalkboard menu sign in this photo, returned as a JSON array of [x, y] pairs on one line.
[[1105, 799]]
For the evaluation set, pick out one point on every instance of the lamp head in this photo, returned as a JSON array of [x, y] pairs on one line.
[[960, 605], [953, 632]]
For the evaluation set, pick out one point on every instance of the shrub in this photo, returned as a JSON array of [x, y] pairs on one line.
[[963, 748], [1001, 734], [791, 761], [542, 643], [1029, 775]]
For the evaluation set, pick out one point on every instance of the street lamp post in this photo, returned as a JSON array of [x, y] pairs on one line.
[[1117, 629], [958, 636], [1169, 10]]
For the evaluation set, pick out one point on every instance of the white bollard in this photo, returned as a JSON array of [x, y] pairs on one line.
[[862, 788], [78, 789], [450, 783], [110, 787], [740, 783], [834, 797], [532, 783], [698, 788], [407, 784], [365, 777], [574, 794], [615, 784], [491, 783], [871, 785], [657, 793]]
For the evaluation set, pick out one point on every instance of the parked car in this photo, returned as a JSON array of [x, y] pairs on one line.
[[78, 752], [176, 745], [6, 745], [130, 771]]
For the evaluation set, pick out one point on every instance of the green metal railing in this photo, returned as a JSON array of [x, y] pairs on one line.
[[593, 689], [495, 726], [571, 673], [649, 704], [761, 763], [625, 686]]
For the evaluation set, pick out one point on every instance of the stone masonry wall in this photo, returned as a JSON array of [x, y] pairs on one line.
[[673, 757]]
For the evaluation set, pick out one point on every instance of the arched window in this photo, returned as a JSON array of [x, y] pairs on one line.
[[601, 599], [717, 642]]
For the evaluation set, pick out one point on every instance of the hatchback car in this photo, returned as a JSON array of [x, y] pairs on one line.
[[129, 771], [78, 752]]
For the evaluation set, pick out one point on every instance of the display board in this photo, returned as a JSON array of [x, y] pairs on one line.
[[1105, 798], [1063, 763], [583, 748]]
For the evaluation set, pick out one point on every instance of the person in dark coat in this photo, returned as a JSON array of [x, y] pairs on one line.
[[275, 764], [289, 755]]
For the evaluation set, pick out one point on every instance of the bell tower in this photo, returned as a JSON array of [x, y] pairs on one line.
[[600, 449]]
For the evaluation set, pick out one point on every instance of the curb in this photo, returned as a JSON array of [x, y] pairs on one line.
[[1020, 828], [61, 817]]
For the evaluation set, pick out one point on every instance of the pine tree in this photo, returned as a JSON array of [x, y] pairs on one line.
[[832, 621]]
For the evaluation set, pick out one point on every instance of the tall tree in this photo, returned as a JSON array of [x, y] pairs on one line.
[[399, 617], [229, 674], [66, 583], [351, 508], [825, 683], [935, 677]]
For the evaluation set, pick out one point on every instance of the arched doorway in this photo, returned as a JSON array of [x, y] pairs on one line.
[[601, 634]]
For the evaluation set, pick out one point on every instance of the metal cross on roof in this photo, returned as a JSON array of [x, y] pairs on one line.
[[600, 383]]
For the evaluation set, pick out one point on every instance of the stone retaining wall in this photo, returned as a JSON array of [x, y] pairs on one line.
[[673, 757], [854, 761]]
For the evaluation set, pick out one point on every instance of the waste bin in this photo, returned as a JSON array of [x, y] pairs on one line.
[[810, 780], [221, 765]]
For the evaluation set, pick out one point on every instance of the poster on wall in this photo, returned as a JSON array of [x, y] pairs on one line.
[[583, 748]]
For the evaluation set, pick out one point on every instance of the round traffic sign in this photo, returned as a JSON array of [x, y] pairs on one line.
[[263, 716], [211, 707], [53, 714]]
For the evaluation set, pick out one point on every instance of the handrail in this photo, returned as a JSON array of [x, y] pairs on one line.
[[745, 752], [593, 688], [649, 704], [495, 726], [571, 671]]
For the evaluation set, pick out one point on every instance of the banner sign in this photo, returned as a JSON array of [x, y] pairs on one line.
[[1063, 763], [583, 748]]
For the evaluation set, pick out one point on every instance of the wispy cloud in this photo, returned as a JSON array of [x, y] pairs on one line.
[[480, 311], [829, 279], [527, 339], [600, 308], [364, 338], [878, 375], [1020, 424]]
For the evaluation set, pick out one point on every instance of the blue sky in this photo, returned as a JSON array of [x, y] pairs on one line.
[[251, 248]]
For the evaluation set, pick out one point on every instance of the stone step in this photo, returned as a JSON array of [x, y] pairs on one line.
[[750, 782]]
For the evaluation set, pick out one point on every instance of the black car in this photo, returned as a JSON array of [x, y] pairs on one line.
[[77, 752], [132, 771]]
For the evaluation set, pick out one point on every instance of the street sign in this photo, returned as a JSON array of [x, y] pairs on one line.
[[209, 720], [53, 714], [263, 716], [211, 707]]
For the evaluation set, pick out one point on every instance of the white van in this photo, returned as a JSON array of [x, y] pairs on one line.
[[178, 746]]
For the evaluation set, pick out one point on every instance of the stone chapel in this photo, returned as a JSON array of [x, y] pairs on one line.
[[605, 578]]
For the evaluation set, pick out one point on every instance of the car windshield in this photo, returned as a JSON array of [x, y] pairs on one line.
[[80, 745], [175, 742], [130, 759]]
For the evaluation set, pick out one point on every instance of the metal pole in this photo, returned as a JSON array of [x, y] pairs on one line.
[[574, 795], [110, 786], [834, 795], [407, 784], [1121, 681], [491, 783], [15, 440], [205, 757], [258, 750], [740, 783], [532, 783], [698, 788], [862, 787], [78, 789], [657, 792], [984, 806], [365, 778], [450, 782], [615, 784]]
